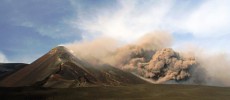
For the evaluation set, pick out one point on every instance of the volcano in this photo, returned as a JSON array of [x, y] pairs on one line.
[[60, 75], [59, 68]]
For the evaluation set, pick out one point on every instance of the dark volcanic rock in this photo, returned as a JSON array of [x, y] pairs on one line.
[[59, 68], [9, 68]]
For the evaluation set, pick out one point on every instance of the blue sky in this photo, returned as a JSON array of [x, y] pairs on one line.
[[30, 28]]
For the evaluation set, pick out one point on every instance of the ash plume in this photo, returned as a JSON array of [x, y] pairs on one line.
[[160, 65], [151, 58]]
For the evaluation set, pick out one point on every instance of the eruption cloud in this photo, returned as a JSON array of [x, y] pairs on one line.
[[151, 58]]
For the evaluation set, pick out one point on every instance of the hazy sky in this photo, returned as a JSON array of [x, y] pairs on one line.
[[30, 28]]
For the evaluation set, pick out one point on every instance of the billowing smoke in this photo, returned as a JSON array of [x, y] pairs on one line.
[[164, 65], [159, 65], [151, 58]]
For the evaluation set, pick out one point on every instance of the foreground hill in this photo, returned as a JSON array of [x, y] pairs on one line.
[[131, 92], [59, 68], [9, 68]]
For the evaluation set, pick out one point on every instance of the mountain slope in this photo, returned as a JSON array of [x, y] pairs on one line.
[[59, 68]]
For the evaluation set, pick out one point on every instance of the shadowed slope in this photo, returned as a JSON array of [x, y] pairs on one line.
[[9, 68], [59, 68]]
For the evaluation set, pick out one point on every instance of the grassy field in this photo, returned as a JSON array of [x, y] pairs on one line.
[[135, 92]]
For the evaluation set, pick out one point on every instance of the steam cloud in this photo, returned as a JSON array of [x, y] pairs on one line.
[[150, 58]]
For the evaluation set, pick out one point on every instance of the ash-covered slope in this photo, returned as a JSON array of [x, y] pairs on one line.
[[59, 68]]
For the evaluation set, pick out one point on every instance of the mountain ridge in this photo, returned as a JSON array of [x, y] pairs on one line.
[[59, 68]]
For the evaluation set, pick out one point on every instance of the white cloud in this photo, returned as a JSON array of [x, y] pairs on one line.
[[211, 19], [135, 18], [3, 58], [130, 21]]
